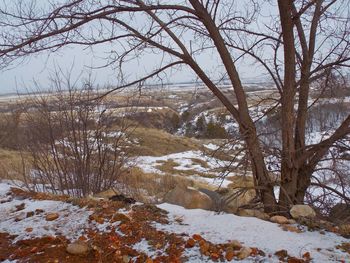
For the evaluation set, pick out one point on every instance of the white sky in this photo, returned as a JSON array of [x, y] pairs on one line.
[[38, 68]]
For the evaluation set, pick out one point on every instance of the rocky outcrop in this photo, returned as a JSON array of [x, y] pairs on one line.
[[300, 211], [189, 198]]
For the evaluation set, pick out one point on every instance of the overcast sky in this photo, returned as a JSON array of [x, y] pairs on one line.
[[37, 69]]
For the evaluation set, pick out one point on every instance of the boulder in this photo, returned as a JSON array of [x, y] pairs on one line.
[[279, 220], [298, 211], [77, 248], [253, 213], [189, 198]]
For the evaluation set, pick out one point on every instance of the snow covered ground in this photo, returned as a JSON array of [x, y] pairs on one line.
[[213, 227], [253, 232], [71, 222]]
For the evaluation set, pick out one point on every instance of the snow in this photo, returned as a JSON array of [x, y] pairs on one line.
[[253, 232], [71, 222], [211, 146], [214, 227], [144, 247], [185, 162]]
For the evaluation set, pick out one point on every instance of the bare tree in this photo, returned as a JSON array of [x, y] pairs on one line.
[[73, 144], [296, 43]]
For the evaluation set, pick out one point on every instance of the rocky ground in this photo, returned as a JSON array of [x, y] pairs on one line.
[[38, 227]]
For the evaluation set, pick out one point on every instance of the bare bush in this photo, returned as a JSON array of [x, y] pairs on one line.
[[73, 146]]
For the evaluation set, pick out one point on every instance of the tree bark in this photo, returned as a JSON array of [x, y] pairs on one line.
[[289, 171]]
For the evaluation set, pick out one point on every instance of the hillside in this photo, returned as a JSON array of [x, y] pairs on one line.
[[46, 228]]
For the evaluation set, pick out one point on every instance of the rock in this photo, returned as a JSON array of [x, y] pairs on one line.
[[244, 252], [230, 254], [279, 220], [281, 254], [77, 248], [298, 211], [190, 243], [292, 221], [52, 216], [204, 247], [291, 229], [30, 214], [20, 207], [253, 213], [235, 245], [197, 237], [189, 198], [39, 211]]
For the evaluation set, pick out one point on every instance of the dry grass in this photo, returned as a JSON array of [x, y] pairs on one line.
[[157, 143], [150, 187], [168, 167], [241, 181], [11, 164]]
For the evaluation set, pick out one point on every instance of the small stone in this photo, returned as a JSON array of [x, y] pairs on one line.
[[197, 237], [190, 243], [281, 254], [235, 245], [279, 220], [30, 214], [20, 207], [29, 229], [77, 248], [214, 256], [291, 229], [52, 216], [38, 211], [204, 247], [244, 252], [298, 211], [230, 254]]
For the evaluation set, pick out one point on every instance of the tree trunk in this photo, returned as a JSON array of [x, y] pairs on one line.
[[304, 181], [265, 187]]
